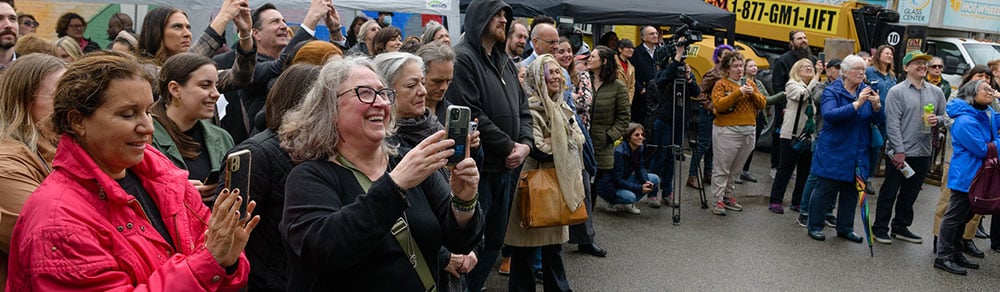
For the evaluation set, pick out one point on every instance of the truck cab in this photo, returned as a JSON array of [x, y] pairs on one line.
[[960, 55]]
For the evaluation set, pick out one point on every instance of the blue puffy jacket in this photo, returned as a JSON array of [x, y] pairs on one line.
[[843, 142], [625, 168], [969, 135]]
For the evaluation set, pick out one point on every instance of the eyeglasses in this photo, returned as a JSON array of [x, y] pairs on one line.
[[367, 94], [936, 66], [76, 26], [31, 23]]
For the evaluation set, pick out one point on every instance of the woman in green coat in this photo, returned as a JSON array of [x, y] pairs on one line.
[[610, 114]]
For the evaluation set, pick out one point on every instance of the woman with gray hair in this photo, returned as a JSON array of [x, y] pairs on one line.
[[358, 210], [365, 46], [975, 126], [434, 31]]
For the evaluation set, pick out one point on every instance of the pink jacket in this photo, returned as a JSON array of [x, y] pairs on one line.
[[80, 231]]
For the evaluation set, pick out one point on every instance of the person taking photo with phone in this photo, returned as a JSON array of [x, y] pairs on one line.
[[737, 103]]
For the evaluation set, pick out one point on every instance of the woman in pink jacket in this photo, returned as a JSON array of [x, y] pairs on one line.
[[115, 214]]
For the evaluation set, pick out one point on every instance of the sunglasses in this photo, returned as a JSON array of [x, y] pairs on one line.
[[31, 23], [936, 66]]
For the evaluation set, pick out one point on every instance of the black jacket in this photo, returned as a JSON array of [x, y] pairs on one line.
[[265, 250], [645, 67], [779, 73], [489, 86], [665, 82]]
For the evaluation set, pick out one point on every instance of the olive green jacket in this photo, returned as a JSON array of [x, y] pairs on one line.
[[217, 141], [609, 120]]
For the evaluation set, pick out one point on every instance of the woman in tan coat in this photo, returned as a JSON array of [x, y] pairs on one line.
[[26, 145], [558, 144]]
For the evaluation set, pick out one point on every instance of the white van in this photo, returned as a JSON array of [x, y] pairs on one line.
[[960, 55]]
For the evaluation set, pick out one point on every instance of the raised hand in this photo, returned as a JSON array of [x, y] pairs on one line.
[[227, 235], [427, 157]]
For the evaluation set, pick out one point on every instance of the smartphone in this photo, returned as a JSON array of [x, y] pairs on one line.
[[874, 85], [457, 124], [822, 56], [237, 170], [743, 80], [213, 178]]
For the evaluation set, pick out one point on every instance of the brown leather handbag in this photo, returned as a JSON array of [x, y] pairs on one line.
[[542, 203]]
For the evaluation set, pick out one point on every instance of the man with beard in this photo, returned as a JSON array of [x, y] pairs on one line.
[[486, 82], [517, 38], [8, 33], [798, 45], [117, 23]]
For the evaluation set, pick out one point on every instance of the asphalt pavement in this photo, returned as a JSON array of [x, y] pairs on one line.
[[757, 250]]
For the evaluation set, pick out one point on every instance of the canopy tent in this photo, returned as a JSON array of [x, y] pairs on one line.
[[200, 11], [634, 12]]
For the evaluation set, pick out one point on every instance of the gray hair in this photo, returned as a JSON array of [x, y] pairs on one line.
[[435, 52], [309, 131], [851, 61], [969, 90], [362, 32], [430, 30], [389, 64]]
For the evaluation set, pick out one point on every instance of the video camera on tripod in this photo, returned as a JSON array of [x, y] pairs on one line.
[[688, 31]]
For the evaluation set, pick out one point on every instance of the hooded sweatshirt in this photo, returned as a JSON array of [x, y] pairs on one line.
[[969, 135], [488, 85]]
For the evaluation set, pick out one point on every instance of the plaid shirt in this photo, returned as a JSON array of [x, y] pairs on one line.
[[237, 77]]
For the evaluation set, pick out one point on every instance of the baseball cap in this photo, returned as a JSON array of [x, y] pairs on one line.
[[833, 63], [915, 55]]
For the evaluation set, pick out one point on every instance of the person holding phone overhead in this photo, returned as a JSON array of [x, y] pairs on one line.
[[736, 103], [359, 210], [115, 214]]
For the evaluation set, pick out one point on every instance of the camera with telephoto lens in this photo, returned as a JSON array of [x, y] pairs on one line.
[[688, 31]]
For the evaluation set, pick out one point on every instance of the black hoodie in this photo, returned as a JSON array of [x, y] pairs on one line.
[[489, 86]]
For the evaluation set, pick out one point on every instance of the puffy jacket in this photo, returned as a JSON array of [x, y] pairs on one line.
[[626, 168], [842, 144], [609, 120], [81, 231], [969, 135]]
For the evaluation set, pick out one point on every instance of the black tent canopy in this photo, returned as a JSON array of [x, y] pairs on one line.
[[631, 12]]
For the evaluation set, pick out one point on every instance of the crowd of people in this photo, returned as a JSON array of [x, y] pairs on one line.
[[115, 159]]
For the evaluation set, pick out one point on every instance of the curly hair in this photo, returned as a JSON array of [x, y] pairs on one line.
[[63, 23], [83, 86], [727, 61]]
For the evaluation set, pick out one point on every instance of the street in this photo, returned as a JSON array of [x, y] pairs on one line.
[[757, 250]]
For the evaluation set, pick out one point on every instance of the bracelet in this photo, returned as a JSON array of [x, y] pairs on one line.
[[463, 205], [243, 37]]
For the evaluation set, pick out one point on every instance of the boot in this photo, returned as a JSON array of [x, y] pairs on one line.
[[693, 182], [970, 248], [980, 232]]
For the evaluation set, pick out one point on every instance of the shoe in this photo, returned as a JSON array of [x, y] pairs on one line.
[[830, 220], [949, 266], [803, 220], [693, 182], [970, 248], [906, 235], [731, 204], [707, 178], [869, 189], [653, 202], [961, 261], [670, 201], [881, 237], [795, 208], [592, 249], [719, 208], [776, 208], [746, 176], [817, 235], [851, 236], [632, 209], [981, 233], [995, 248], [505, 266], [738, 181], [774, 172]]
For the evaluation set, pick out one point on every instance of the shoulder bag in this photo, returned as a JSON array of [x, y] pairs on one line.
[[984, 192], [542, 203]]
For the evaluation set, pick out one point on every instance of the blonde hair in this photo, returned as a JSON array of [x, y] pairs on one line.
[[794, 73], [71, 46], [309, 131], [18, 87]]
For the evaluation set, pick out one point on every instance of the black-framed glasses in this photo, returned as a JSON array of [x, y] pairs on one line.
[[367, 94], [31, 23]]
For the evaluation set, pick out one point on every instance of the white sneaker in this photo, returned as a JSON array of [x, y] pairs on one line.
[[774, 172], [632, 209]]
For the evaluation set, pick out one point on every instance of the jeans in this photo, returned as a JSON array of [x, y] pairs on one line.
[[823, 197], [626, 196], [522, 276], [704, 150], [791, 160], [494, 200], [665, 134], [899, 193], [807, 194], [949, 245]]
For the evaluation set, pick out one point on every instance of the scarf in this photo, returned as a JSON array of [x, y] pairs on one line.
[[935, 81], [413, 130]]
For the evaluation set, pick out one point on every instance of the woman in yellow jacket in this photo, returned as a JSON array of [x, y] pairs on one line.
[[737, 103]]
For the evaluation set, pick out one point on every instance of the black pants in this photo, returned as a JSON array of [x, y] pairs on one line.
[[899, 193], [776, 134], [522, 276], [791, 160], [583, 233], [495, 193], [959, 213]]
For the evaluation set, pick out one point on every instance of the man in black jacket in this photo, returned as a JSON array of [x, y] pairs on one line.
[[486, 82], [674, 103], [798, 48], [645, 70]]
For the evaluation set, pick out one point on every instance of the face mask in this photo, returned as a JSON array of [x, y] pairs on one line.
[[387, 20]]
